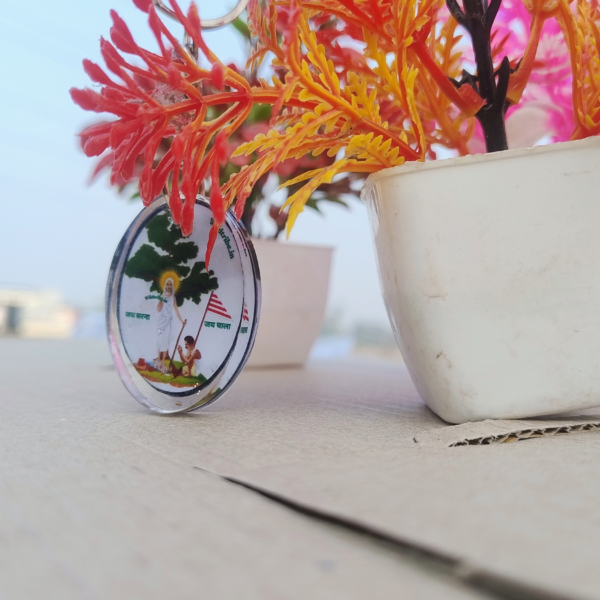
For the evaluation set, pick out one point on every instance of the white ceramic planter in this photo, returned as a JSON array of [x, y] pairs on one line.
[[490, 270], [295, 282]]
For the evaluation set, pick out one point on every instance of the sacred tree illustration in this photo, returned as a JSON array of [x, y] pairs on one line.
[[168, 275], [154, 267]]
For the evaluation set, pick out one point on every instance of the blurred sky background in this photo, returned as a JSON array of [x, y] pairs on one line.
[[58, 232]]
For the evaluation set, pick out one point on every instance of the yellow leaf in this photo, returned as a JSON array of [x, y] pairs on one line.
[[297, 201]]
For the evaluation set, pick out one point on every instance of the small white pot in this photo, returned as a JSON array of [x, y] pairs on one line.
[[490, 270], [295, 282]]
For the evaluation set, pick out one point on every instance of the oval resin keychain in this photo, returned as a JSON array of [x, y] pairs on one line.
[[181, 334]]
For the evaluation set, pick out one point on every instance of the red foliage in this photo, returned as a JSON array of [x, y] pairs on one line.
[[359, 86]]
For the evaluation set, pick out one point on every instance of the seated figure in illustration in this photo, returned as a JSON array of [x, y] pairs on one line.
[[190, 358]]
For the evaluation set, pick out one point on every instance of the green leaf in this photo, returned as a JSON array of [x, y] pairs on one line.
[[335, 200], [315, 202], [242, 28], [260, 113], [312, 203]]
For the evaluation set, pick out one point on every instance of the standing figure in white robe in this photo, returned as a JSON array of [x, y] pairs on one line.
[[165, 309]]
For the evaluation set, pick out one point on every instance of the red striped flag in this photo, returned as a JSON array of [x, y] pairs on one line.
[[245, 314], [216, 306]]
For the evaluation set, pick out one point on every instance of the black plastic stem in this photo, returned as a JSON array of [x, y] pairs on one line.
[[477, 18]]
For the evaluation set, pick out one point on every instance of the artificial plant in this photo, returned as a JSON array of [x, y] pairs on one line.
[[256, 122], [369, 83]]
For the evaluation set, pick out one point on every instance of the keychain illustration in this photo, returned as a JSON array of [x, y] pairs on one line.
[[180, 331]]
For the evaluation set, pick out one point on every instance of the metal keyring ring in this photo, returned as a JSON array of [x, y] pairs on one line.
[[207, 23]]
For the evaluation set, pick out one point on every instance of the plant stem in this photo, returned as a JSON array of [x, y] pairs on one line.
[[494, 129], [480, 36], [477, 18]]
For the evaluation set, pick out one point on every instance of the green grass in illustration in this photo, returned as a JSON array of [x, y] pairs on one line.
[[181, 381]]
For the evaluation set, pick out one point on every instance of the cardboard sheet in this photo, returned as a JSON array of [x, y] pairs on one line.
[[351, 440], [507, 431], [92, 508]]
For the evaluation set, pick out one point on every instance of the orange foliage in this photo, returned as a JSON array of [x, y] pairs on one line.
[[369, 82], [582, 34]]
